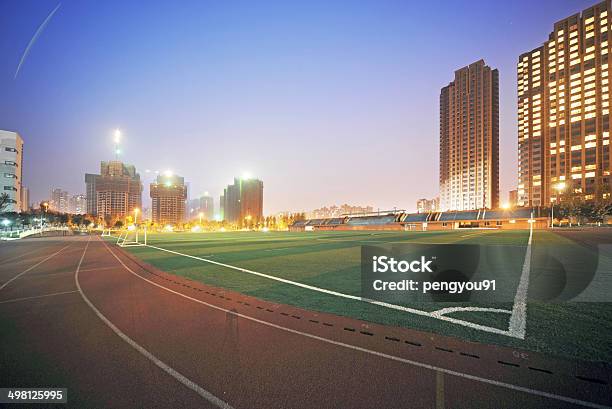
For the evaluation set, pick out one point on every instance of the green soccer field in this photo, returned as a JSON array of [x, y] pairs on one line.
[[331, 261]]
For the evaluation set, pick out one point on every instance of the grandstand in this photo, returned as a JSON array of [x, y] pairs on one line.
[[400, 220]]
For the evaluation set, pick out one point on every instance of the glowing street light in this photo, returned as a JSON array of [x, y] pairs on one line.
[[117, 140], [559, 187]]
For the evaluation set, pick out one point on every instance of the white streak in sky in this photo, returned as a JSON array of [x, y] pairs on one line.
[[41, 28]]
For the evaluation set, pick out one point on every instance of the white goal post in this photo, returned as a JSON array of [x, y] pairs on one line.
[[132, 236]]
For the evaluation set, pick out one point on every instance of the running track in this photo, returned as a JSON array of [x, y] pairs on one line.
[[78, 313]]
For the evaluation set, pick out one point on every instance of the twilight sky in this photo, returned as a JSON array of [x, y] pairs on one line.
[[326, 101]]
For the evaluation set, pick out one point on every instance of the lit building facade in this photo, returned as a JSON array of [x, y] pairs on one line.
[[59, 201], [168, 195], [563, 112], [243, 201], [11, 170], [77, 204], [426, 205], [203, 204], [469, 139], [115, 192]]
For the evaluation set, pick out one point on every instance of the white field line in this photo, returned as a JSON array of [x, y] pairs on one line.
[[34, 297], [33, 267], [476, 234], [164, 367], [518, 319], [347, 296], [505, 385], [450, 310]]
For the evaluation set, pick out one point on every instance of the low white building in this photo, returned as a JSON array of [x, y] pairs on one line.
[[11, 169]]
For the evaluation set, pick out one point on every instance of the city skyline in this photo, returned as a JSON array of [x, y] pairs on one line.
[[328, 105]]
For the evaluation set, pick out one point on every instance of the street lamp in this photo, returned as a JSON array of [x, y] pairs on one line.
[[45, 207], [559, 187], [136, 210]]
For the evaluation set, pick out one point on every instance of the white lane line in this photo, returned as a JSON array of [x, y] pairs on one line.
[[36, 297], [164, 367], [21, 256], [415, 311], [98, 268], [33, 267], [371, 352], [518, 319]]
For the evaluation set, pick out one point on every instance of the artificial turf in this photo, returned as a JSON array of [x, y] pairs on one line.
[[331, 260]]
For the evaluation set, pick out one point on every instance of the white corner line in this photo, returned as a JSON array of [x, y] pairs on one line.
[[33, 267], [163, 366], [450, 310], [518, 319], [371, 352]]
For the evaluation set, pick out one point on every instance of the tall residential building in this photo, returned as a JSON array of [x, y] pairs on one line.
[[168, 195], [512, 197], [203, 204], [469, 139], [243, 201], [115, 192], [207, 206], [563, 112], [222, 207], [338, 211], [11, 169], [426, 205], [77, 204], [25, 199], [59, 201], [90, 193]]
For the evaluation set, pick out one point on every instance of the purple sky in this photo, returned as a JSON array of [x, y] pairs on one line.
[[326, 102]]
